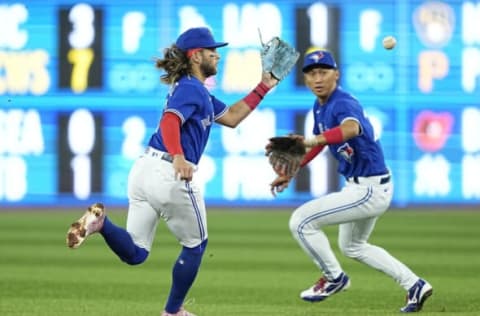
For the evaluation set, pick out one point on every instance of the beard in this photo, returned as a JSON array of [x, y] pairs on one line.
[[208, 69]]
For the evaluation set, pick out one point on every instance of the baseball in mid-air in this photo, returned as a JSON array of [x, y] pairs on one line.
[[389, 42]]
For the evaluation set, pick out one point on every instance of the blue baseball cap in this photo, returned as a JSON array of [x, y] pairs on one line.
[[197, 37], [319, 59]]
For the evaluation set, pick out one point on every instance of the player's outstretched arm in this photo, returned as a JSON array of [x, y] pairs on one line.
[[336, 135], [238, 111]]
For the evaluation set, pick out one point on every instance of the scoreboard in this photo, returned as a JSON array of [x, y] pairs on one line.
[[80, 96]]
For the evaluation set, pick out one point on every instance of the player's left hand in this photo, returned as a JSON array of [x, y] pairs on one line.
[[285, 154], [279, 184], [269, 79], [270, 145]]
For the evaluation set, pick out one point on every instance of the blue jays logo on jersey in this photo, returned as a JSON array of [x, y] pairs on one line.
[[208, 120], [346, 152]]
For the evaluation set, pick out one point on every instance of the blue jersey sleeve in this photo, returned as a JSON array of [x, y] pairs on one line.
[[347, 109], [219, 108]]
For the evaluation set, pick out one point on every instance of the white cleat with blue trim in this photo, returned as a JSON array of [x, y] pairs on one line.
[[324, 288], [416, 296]]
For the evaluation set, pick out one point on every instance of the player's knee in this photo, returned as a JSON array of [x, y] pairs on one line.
[[294, 223], [299, 225], [349, 249]]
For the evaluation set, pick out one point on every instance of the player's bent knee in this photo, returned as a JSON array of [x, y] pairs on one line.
[[299, 227], [294, 223], [302, 225], [349, 250]]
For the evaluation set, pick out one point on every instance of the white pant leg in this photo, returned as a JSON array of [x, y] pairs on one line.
[[185, 213], [353, 202], [142, 221], [153, 193], [316, 245], [352, 240]]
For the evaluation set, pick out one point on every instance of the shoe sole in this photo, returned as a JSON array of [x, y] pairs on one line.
[[424, 298], [179, 313], [315, 299], [77, 232]]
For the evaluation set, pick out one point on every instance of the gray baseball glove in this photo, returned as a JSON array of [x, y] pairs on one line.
[[278, 57]]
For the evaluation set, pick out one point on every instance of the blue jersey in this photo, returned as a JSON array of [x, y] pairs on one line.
[[361, 156], [197, 109]]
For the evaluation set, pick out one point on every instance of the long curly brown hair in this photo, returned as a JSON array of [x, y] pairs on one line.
[[175, 63]]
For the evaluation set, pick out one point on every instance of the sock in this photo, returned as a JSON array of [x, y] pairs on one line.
[[183, 274], [120, 241]]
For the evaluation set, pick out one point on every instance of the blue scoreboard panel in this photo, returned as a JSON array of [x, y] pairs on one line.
[[80, 96]]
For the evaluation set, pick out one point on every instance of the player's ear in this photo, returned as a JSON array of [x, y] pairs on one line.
[[196, 57]]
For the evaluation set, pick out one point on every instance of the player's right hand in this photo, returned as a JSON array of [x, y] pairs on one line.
[[279, 184], [183, 169]]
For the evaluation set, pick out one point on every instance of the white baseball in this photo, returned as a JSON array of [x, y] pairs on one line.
[[389, 42]]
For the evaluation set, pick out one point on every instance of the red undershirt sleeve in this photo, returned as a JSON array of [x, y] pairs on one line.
[[170, 131], [311, 154]]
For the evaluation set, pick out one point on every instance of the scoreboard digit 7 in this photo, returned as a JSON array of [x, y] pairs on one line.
[[80, 45]]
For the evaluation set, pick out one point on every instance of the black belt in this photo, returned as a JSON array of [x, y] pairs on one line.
[[167, 157], [383, 180], [160, 154]]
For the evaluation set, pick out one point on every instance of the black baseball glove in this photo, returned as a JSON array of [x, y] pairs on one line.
[[285, 154]]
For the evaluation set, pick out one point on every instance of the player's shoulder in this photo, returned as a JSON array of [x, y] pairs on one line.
[[340, 93], [346, 98], [188, 85], [190, 82]]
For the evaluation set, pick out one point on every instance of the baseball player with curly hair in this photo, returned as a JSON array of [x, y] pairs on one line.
[[161, 183], [340, 124]]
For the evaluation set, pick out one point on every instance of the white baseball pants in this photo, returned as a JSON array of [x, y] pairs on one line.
[[355, 209], [154, 193]]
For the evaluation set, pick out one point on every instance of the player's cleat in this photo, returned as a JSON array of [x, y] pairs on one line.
[[416, 296], [325, 288], [181, 312], [91, 222]]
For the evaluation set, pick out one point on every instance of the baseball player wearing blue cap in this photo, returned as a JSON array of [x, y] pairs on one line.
[[161, 183], [340, 124]]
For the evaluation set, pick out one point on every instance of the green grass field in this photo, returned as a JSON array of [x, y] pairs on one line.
[[252, 266]]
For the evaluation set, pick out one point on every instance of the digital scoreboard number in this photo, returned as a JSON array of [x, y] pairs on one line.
[[80, 153], [316, 25], [80, 45]]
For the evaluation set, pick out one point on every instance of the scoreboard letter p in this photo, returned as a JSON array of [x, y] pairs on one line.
[[431, 65]]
